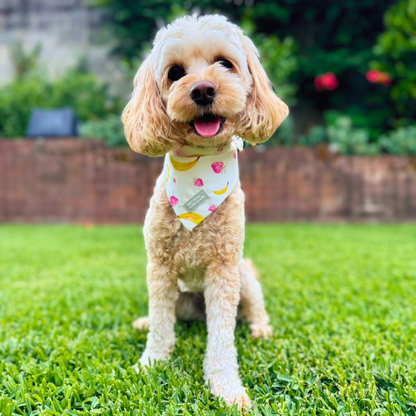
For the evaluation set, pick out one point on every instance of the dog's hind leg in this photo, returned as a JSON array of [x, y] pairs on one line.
[[189, 307], [252, 308], [142, 323]]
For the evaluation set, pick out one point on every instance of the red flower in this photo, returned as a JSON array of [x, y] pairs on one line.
[[327, 81], [378, 77], [384, 78]]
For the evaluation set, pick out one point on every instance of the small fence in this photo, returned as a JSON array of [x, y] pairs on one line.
[[73, 180]]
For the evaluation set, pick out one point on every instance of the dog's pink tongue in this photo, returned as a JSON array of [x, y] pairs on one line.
[[207, 127]]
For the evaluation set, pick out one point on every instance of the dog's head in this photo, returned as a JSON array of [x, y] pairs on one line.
[[202, 83]]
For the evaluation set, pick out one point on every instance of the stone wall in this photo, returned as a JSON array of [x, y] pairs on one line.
[[72, 180], [67, 30]]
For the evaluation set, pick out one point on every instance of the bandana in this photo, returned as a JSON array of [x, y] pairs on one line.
[[198, 180]]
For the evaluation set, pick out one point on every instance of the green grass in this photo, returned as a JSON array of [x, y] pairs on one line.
[[341, 299]]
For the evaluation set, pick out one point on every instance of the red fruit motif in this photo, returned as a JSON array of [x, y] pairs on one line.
[[174, 180], [173, 200], [198, 182], [327, 81], [235, 155], [217, 167], [212, 208]]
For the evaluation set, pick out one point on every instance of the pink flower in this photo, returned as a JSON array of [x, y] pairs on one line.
[[327, 81], [378, 77], [384, 78], [372, 75], [198, 182], [173, 200], [212, 208]]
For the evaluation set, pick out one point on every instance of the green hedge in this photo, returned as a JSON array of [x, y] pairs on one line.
[[80, 90], [345, 38]]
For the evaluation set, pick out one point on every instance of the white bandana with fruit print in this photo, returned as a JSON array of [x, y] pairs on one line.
[[198, 180]]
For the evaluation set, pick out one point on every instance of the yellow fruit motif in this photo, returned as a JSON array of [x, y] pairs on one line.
[[192, 216], [167, 178], [183, 166], [222, 191]]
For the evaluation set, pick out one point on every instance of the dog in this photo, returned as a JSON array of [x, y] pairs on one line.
[[201, 90]]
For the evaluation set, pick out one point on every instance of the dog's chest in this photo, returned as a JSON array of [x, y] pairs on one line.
[[193, 280]]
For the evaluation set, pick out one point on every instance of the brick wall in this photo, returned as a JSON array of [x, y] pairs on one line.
[[72, 180]]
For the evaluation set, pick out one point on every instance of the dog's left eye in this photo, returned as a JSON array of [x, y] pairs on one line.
[[225, 62], [175, 73]]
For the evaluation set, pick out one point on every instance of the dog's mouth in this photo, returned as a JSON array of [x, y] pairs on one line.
[[208, 125]]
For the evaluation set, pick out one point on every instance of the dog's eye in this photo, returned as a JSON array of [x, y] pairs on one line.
[[225, 62], [176, 72]]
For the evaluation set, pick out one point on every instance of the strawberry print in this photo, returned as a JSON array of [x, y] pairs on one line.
[[173, 200], [198, 182], [174, 180], [212, 208], [217, 167], [235, 155]]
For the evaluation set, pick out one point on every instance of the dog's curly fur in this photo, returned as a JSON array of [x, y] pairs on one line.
[[183, 264]]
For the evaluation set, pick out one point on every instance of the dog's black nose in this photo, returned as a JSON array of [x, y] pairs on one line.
[[203, 93]]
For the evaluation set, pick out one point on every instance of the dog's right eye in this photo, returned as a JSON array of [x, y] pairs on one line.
[[176, 72], [225, 63]]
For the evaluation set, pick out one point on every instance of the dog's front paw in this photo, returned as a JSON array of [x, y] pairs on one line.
[[141, 324], [235, 396], [264, 331], [149, 358]]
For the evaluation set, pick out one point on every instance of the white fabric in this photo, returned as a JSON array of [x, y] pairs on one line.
[[198, 180]]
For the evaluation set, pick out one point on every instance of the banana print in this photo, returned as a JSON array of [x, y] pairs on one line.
[[182, 167], [167, 178], [222, 191], [192, 216]]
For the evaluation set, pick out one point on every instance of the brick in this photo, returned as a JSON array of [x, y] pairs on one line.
[[72, 180]]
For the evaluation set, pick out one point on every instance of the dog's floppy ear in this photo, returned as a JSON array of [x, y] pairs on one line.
[[146, 125], [264, 109]]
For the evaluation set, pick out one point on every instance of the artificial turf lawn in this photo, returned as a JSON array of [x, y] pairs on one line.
[[341, 300]]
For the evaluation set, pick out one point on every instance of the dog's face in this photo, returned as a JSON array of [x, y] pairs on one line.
[[201, 84]]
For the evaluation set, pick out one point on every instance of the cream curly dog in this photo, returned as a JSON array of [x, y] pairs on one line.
[[200, 88]]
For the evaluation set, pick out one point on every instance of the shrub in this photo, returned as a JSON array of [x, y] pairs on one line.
[[23, 61], [399, 142], [317, 135], [109, 130], [395, 51], [348, 140], [82, 91], [342, 137], [284, 134], [278, 58]]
